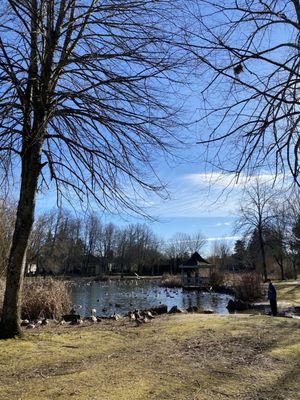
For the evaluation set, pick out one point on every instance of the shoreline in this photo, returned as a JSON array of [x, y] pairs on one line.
[[102, 278]]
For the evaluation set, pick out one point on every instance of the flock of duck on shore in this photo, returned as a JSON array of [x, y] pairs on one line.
[[138, 317]]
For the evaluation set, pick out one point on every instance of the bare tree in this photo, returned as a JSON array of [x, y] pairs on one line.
[[85, 98], [185, 243], [38, 238], [279, 234], [220, 253], [196, 242], [291, 224], [178, 246], [7, 220], [93, 232], [255, 214], [181, 246], [249, 60]]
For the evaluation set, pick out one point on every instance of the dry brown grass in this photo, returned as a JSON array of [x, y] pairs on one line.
[[217, 278], [180, 357], [43, 297], [288, 292], [171, 281]]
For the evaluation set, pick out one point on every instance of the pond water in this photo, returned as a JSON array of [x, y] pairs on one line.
[[122, 296]]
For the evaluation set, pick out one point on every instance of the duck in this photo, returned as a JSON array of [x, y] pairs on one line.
[[132, 316]]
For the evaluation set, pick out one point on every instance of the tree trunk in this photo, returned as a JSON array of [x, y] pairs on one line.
[[11, 313], [295, 269], [282, 269], [282, 272], [263, 255], [280, 263]]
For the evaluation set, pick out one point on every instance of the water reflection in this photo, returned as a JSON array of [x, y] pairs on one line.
[[122, 296]]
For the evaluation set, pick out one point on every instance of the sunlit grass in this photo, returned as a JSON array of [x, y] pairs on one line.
[[175, 357], [288, 292]]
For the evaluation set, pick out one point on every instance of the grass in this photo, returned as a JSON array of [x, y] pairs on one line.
[[182, 357], [288, 292]]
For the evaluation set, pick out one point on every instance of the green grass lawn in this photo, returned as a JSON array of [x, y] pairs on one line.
[[190, 356]]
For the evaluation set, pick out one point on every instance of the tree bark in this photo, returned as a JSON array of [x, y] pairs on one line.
[[11, 313], [281, 269], [263, 254], [295, 269], [282, 272]]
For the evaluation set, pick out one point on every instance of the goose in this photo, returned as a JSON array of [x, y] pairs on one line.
[[149, 314], [93, 318], [138, 322], [132, 316]]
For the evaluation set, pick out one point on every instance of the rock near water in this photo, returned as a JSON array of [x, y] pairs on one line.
[[175, 310], [237, 305]]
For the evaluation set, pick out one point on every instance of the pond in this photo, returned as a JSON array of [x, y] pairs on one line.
[[122, 296]]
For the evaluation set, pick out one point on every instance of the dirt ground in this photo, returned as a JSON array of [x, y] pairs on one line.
[[183, 356]]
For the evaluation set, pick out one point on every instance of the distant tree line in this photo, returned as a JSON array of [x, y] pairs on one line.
[[64, 244]]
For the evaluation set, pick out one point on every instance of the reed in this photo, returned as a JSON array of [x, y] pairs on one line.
[[171, 281], [43, 298]]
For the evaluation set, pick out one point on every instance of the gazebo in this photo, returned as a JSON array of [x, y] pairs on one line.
[[196, 272]]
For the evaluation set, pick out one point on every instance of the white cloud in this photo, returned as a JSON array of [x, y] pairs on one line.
[[231, 180], [223, 223], [214, 239], [197, 195], [209, 195]]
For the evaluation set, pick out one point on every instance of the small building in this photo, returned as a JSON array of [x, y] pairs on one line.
[[196, 272]]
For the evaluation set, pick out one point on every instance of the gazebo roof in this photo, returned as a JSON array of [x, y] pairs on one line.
[[196, 261]]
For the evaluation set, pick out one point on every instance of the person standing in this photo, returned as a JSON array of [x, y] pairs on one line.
[[272, 296]]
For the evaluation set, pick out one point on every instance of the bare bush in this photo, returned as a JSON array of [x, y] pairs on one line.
[[171, 281], [46, 298], [247, 286], [216, 278]]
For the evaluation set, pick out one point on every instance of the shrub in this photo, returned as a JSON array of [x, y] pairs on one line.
[[216, 278], [247, 286], [171, 281], [43, 297]]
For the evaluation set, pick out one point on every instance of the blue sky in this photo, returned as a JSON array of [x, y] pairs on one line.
[[200, 198], [198, 201]]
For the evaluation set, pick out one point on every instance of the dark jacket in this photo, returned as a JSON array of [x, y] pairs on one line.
[[271, 292]]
